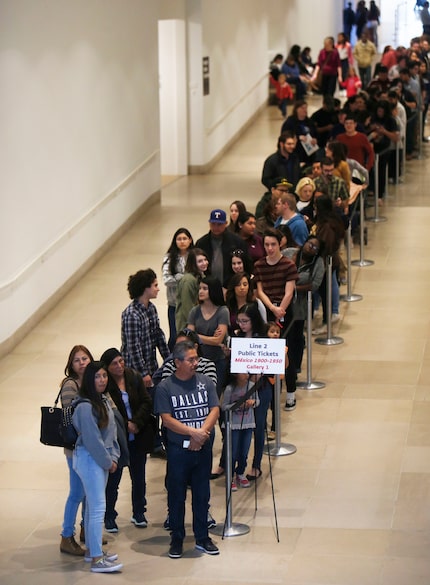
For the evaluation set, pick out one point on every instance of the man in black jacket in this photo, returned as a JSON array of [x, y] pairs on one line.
[[218, 244], [282, 163]]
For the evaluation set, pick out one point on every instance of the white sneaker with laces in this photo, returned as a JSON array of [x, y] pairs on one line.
[[320, 330], [111, 557], [105, 566]]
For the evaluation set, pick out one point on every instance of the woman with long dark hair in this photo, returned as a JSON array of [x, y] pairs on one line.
[[210, 320], [252, 325], [330, 230], [337, 152], [236, 208], [134, 405], [311, 269], [173, 270], [79, 357], [240, 291], [96, 454], [196, 266], [240, 262]]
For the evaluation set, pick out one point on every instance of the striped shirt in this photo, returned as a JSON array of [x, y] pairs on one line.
[[274, 277]]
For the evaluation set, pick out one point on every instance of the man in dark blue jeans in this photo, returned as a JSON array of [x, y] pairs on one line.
[[188, 405]]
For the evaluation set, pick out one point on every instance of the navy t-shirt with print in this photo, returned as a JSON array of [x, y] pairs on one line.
[[188, 401]]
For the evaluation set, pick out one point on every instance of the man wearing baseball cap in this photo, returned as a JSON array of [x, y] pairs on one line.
[[218, 245]]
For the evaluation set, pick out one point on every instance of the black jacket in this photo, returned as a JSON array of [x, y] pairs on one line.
[[276, 166], [141, 408], [230, 242]]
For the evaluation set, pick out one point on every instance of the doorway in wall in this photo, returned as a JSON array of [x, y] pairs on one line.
[[172, 99]]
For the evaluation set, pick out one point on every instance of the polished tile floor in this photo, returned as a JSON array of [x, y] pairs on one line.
[[352, 504]]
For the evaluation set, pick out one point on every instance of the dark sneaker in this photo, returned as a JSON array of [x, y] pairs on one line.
[[211, 521], [176, 550], [207, 546], [290, 405], [139, 520], [111, 525]]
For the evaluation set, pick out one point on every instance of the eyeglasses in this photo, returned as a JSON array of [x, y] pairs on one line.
[[238, 253], [243, 321], [313, 246], [192, 360]]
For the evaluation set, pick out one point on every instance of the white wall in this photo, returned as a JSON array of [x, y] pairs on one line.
[[79, 117], [303, 23], [173, 97], [234, 37], [79, 140]]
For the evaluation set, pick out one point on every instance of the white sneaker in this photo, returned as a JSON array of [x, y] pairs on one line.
[[335, 317], [320, 330], [111, 557], [105, 566]]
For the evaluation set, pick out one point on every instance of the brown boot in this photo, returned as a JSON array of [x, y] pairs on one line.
[[82, 536], [70, 546]]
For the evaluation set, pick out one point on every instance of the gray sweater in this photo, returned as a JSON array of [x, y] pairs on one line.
[[101, 444]]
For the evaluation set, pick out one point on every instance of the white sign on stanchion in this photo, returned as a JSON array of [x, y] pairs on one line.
[[258, 355], [261, 355]]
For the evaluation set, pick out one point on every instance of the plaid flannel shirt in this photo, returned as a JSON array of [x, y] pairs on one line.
[[141, 335]]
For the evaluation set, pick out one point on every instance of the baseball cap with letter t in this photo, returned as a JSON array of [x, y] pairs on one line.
[[218, 216]]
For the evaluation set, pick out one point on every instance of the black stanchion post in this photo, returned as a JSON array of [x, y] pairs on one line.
[[309, 384]]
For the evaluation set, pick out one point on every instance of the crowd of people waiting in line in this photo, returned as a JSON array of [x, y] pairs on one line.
[[248, 276]]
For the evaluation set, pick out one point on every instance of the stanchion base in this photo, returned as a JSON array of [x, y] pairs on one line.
[[329, 340], [283, 449], [310, 385], [351, 298], [362, 262], [235, 529], [378, 219]]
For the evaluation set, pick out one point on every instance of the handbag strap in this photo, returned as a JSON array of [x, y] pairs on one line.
[[61, 389], [58, 397]]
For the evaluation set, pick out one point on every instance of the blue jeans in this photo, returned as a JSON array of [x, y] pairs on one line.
[[94, 480], [194, 468], [241, 441], [137, 469], [75, 497], [335, 297], [365, 75], [265, 394]]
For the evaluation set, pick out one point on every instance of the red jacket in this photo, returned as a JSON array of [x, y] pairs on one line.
[[283, 92]]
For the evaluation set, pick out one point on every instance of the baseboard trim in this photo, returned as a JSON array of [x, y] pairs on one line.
[[11, 342], [203, 169]]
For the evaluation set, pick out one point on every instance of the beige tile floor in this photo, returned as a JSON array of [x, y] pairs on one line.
[[353, 503]]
